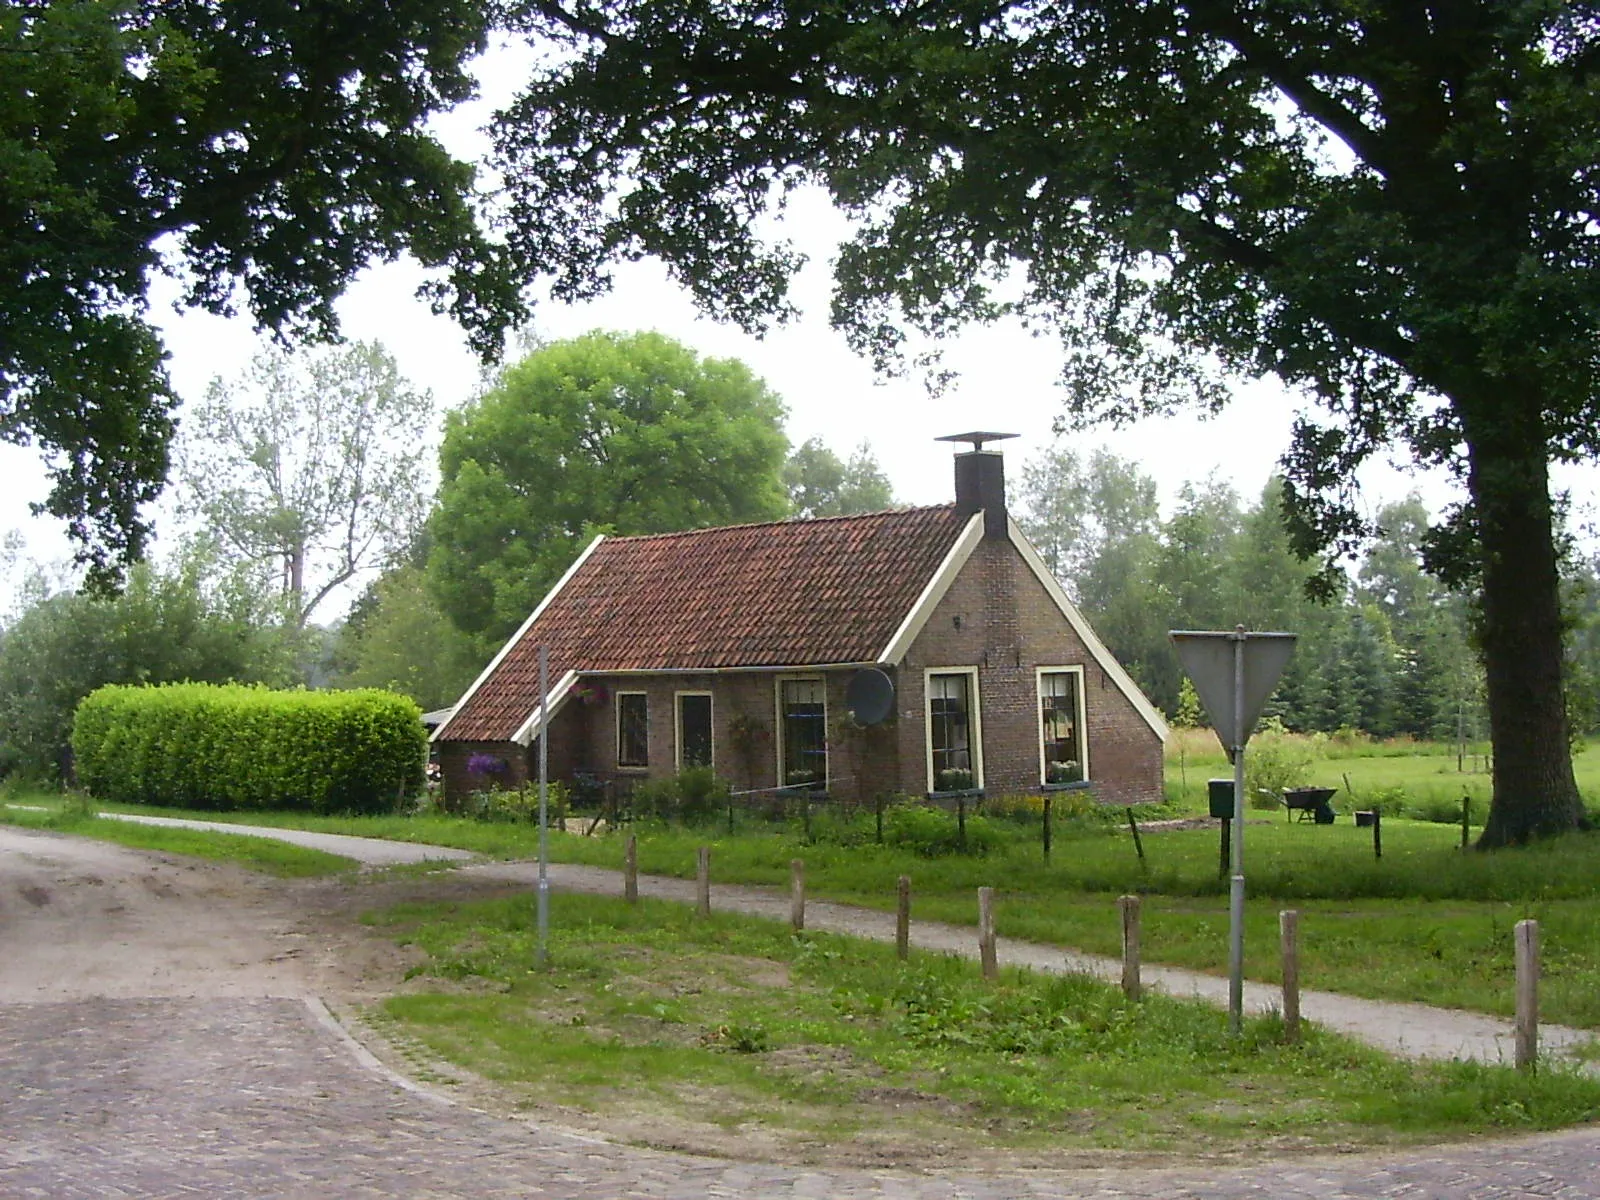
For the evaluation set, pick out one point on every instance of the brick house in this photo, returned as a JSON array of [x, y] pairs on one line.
[[740, 648]]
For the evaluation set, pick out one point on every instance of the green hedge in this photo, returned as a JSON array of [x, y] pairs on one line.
[[196, 745]]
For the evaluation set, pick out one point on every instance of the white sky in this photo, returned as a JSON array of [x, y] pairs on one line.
[[1007, 377]]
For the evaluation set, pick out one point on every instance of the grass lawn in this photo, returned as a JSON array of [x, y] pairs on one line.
[[1426, 771], [1426, 923], [816, 1041]]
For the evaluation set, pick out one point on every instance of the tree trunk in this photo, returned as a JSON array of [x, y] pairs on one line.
[[297, 583], [1535, 794]]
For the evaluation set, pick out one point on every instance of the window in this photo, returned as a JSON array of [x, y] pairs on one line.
[[694, 729], [1063, 756], [633, 729], [802, 733], [955, 752]]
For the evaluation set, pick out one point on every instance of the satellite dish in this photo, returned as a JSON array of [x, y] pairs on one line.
[[870, 696]]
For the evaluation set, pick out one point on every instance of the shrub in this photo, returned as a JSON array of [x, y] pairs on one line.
[[694, 794], [933, 833], [1390, 801], [197, 745], [1442, 810], [1275, 761], [502, 806]]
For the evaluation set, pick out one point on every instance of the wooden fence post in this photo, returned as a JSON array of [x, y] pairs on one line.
[[902, 918], [630, 871], [797, 893], [986, 954], [1288, 941], [1128, 906], [1527, 934], [703, 881]]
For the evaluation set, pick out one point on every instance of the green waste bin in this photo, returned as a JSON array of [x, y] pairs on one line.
[[1220, 792]]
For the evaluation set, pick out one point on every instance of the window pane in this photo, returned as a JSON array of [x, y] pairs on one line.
[[805, 733], [1058, 717], [633, 730], [694, 731], [949, 712]]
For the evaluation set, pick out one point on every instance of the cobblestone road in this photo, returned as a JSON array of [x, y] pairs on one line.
[[223, 1095], [264, 1098]]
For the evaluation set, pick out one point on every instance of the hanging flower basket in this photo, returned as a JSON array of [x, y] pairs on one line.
[[591, 694]]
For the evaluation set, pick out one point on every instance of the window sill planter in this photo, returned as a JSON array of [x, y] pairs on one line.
[[957, 794], [1077, 785]]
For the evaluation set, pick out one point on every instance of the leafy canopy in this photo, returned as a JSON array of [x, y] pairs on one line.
[[614, 433], [1382, 204], [311, 467], [821, 485], [1389, 205], [262, 153]]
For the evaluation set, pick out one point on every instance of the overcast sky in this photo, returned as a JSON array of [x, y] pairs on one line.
[[1006, 377]]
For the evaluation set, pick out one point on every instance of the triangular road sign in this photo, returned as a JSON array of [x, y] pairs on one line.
[[1207, 658]]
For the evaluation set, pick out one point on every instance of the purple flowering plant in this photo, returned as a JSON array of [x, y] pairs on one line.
[[486, 764]]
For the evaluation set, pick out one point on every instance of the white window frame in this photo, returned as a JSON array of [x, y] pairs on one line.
[[1082, 718], [777, 725], [617, 740], [975, 720], [677, 726]]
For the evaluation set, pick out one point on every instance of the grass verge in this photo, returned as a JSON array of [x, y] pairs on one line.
[[254, 853], [821, 1046], [1426, 923]]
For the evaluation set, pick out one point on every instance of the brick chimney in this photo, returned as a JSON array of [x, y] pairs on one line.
[[981, 481]]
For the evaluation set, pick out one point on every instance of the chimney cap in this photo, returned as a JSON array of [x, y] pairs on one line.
[[977, 439]]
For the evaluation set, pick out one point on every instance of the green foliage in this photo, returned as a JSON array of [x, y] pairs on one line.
[[404, 643], [819, 485], [617, 433], [515, 806], [263, 155], [163, 627], [1190, 713], [1274, 762], [1155, 181], [694, 794], [647, 1000], [931, 832], [200, 746], [309, 468]]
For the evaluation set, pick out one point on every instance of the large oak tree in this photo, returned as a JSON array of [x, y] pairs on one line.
[[1389, 205], [261, 151]]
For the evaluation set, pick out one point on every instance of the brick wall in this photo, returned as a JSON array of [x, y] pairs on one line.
[[568, 748], [744, 732], [999, 618]]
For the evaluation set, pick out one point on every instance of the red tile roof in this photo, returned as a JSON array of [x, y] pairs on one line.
[[790, 593]]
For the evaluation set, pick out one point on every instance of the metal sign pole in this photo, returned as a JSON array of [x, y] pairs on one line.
[[1234, 674], [544, 817], [1236, 884]]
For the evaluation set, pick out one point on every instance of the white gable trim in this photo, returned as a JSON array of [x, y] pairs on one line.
[[517, 636], [1097, 649], [558, 695], [934, 592]]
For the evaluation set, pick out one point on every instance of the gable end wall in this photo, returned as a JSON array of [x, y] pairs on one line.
[[1009, 626]]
